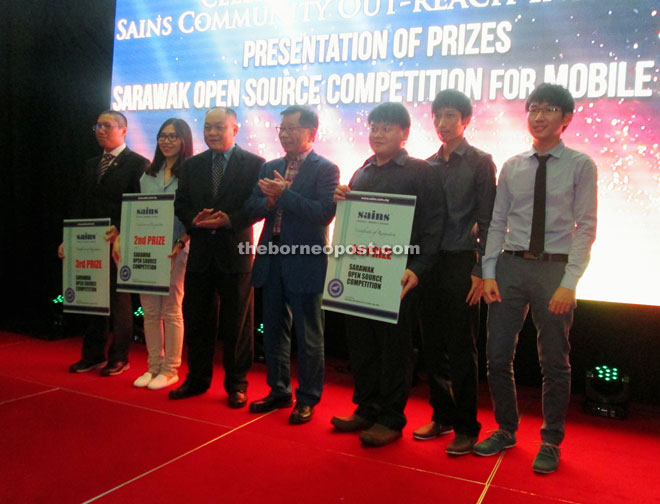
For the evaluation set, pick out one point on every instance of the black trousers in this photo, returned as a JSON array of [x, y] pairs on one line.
[[118, 327], [449, 328], [235, 326], [382, 365]]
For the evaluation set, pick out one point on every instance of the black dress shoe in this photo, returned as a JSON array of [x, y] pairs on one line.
[[237, 400], [82, 366], [351, 423], [270, 403], [185, 391], [115, 368], [301, 414]]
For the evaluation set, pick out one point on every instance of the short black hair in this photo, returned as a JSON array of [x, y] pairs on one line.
[[390, 112], [552, 94], [308, 118], [450, 98], [121, 118]]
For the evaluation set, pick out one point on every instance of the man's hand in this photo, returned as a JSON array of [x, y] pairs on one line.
[[273, 188], [491, 291], [476, 291], [215, 220], [111, 234], [116, 255], [340, 193], [408, 281], [60, 251], [562, 301], [202, 216]]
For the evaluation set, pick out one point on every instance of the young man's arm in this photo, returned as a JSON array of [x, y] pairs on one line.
[[585, 209]]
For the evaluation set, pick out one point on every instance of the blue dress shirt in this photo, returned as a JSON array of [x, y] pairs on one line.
[[570, 214]]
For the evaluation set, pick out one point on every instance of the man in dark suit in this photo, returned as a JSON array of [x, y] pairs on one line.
[[104, 180], [294, 194], [213, 187]]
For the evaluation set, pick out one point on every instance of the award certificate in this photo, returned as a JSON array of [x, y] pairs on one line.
[[147, 224], [86, 267], [370, 246]]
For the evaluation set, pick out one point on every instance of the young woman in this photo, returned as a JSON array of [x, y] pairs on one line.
[[163, 320]]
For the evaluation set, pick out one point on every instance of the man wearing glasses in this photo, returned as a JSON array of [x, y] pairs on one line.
[[539, 242], [294, 195], [382, 353], [104, 180], [213, 186]]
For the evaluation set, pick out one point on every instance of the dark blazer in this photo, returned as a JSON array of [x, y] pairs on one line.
[[104, 199], [217, 246], [307, 208]]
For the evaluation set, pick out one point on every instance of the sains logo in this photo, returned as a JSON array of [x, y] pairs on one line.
[[374, 216]]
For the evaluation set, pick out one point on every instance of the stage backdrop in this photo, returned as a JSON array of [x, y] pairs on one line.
[[342, 57]]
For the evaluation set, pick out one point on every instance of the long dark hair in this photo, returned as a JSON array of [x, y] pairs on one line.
[[183, 132]]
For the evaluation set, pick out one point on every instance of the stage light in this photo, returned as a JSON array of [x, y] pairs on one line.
[[607, 392]]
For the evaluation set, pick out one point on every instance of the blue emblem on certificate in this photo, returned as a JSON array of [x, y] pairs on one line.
[[125, 273], [70, 295], [335, 287]]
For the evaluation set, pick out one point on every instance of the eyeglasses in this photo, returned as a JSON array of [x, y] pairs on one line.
[[168, 137], [374, 128], [288, 129], [543, 110], [104, 127]]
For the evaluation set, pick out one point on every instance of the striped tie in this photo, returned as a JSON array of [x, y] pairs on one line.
[[103, 166], [217, 171]]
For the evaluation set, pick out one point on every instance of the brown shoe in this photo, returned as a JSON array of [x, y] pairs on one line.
[[301, 414], [431, 431], [350, 423], [461, 444], [379, 435]]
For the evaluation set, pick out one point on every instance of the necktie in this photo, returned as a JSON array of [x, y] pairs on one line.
[[103, 166], [217, 171], [537, 236], [292, 168]]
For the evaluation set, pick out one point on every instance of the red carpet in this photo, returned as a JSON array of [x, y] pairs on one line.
[[78, 438]]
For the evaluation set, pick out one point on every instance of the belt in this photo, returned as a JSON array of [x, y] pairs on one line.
[[525, 254]]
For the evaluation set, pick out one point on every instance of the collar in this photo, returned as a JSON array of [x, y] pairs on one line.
[[460, 150], [117, 150], [555, 152], [226, 154], [301, 156], [160, 176], [399, 159]]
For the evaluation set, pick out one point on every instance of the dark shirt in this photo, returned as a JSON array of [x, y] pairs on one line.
[[469, 182], [407, 175]]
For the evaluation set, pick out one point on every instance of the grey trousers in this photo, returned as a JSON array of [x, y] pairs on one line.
[[526, 284]]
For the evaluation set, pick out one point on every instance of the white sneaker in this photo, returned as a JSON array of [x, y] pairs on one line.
[[143, 380], [162, 381]]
